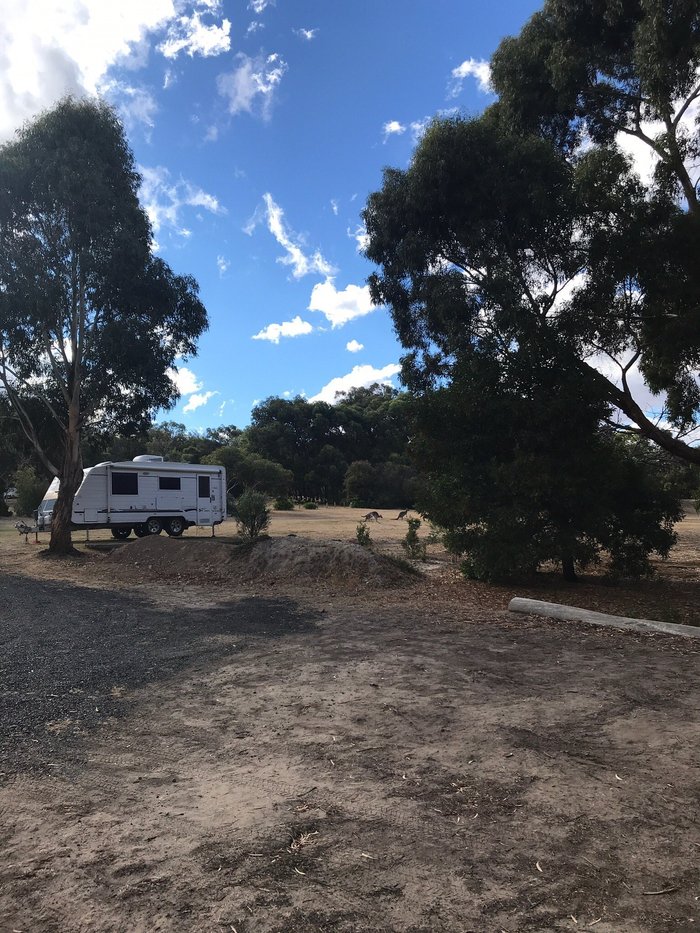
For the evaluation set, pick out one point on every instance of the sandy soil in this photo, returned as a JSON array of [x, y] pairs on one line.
[[294, 755]]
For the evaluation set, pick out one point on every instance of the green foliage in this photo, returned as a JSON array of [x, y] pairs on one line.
[[363, 536], [412, 544], [283, 504], [30, 490], [85, 307], [316, 441], [499, 237], [521, 475], [384, 485], [310, 505], [251, 513]]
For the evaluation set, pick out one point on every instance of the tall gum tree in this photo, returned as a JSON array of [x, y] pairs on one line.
[[529, 226], [90, 320]]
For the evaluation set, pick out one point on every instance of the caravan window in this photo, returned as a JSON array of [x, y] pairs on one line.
[[125, 484], [203, 487], [169, 482]]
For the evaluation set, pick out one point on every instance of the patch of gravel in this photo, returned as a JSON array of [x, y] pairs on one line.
[[69, 657], [271, 560]]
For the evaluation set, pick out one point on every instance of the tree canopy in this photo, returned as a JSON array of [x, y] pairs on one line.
[[91, 321], [526, 237]]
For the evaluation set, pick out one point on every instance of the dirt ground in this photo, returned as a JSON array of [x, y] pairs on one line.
[[365, 750]]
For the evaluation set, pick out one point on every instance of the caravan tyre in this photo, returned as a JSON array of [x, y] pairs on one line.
[[121, 534], [140, 531], [153, 526], [175, 527]]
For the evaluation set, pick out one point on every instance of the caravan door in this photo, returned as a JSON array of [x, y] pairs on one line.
[[204, 503]]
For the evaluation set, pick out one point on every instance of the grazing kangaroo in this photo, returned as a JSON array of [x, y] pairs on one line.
[[402, 514], [372, 517]]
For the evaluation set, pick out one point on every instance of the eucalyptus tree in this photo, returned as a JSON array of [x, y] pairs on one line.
[[91, 320]]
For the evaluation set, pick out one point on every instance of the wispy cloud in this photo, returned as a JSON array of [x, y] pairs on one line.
[[294, 328], [198, 400], [251, 86], [223, 265], [360, 236], [136, 104], [473, 67], [359, 377], [301, 263], [190, 35], [259, 6], [164, 200], [334, 206], [339, 307], [253, 27], [306, 34]]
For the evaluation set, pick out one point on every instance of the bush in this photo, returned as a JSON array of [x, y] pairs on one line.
[[310, 505], [30, 490], [283, 504], [251, 513], [412, 544], [363, 536]]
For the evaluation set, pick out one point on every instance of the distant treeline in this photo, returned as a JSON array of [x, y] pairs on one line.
[[355, 451]]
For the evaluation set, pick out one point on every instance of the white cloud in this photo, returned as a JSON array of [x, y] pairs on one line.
[[360, 236], [223, 265], [251, 86], [339, 307], [359, 377], [50, 49], [164, 200], [334, 206], [294, 328], [307, 34], [393, 128], [354, 347], [135, 104], [295, 256], [254, 27], [259, 6], [198, 400], [476, 68], [190, 35], [185, 380]]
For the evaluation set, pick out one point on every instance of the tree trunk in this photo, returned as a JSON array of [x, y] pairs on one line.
[[568, 567], [71, 476]]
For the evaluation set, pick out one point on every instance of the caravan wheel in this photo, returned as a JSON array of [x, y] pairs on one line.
[[153, 526], [140, 531], [175, 527], [121, 533]]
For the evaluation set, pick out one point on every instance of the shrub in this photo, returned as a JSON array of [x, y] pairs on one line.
[[283, 504], [363, 536], [310, 505], [412, 544], [251, 513], [30, 490]]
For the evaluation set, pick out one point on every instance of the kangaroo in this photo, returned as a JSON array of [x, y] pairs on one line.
[[372, 517], [402, 514]]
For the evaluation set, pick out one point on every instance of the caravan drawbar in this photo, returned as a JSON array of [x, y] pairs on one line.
[[147, 495]]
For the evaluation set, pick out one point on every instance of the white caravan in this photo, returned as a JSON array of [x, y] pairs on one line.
[[147, 495]]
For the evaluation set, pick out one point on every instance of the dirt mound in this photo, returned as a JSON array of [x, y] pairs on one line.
[[283, 560]]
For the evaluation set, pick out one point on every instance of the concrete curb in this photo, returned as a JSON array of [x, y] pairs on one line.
[[572, 614]]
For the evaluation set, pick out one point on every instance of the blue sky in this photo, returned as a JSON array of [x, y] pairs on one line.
[[260, 128]]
